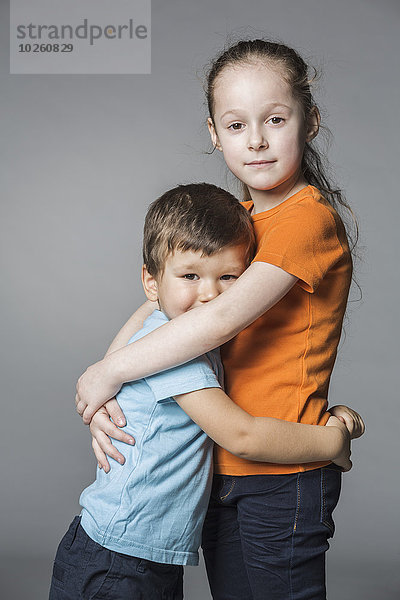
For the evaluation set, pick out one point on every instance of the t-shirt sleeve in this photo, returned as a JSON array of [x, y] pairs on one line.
[[303, 242], [194, 375]]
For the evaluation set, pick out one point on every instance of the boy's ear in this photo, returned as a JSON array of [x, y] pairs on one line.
[[313, 123], [149, 285], [213, 134]]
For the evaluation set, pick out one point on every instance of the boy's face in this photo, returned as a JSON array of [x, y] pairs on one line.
[[190, 279]]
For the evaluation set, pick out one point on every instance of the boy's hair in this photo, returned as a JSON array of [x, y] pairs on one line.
[[200, 217]]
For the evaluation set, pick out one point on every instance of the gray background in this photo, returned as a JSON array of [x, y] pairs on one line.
[[81, 158]]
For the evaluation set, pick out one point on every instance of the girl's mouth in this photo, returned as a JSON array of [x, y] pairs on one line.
[[259, 164]]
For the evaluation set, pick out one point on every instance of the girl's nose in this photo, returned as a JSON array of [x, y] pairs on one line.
[[257, 140]]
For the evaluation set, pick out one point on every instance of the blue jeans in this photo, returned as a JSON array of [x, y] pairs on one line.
[[84, 570], [265, 536]]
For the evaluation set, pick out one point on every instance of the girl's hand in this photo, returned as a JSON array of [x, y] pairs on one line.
[[343, 458], [102, 429], [94, 388], [350, 418]]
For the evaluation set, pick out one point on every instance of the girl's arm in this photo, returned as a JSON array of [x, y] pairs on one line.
[[264, 438], [191, 334]]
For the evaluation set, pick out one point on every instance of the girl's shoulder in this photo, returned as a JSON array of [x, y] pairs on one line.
[[310, 207], [309, 198]]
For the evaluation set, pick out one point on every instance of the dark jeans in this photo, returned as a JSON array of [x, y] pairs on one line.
[[265, 536], [84, 570]]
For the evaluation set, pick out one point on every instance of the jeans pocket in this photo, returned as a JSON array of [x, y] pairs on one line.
[[70, 536], [101, 572], [64, 558], [331, 482], [60, 576]]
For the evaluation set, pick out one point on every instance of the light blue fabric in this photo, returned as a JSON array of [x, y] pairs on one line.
[[153, 506]]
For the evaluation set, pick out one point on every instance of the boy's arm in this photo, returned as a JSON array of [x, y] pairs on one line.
[[110, 416], [191, 334], [133, 324], [263, 438], [353, 421], [305, 442]]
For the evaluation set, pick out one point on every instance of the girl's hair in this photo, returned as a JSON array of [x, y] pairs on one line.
[[295, 72]]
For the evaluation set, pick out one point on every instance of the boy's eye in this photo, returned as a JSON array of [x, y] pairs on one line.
[[276, 120], [236, 126], [228, 277], [191, 276]]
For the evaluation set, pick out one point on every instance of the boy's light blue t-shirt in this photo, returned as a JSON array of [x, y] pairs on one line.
[[153, 506]]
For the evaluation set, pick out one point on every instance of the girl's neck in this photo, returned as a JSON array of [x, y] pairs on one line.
[[266, 199]]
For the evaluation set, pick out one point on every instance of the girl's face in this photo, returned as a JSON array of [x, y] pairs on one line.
[[261, 130]]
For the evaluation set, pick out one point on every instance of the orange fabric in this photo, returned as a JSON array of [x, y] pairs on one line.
[[280, 366]]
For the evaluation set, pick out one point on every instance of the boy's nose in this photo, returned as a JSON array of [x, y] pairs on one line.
[[208, 291]]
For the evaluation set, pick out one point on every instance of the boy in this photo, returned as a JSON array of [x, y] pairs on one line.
[[142, 522]]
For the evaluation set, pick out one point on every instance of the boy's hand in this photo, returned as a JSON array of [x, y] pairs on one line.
[[94, 388], [102, 429], [343, 459], [350, 418]]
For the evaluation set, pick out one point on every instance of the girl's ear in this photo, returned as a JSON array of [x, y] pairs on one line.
[[149, 285], [313, 122], [213, 134]]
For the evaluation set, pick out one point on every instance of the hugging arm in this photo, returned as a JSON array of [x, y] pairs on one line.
[[353, 421], [187, 336], [109, 418], [254, 438], [265, 439], [176, 342], [134, 323]]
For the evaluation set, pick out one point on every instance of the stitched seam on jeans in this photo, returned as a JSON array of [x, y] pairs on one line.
[[323, 496], [324, 520], [87, 555], [108, 582], [296, 516], [74, 533], [298, 504], [231, 488]]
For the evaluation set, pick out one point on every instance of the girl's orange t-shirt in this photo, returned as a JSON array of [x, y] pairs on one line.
[[280, 366]]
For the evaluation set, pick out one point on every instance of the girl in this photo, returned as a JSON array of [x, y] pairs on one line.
[[267, 526]]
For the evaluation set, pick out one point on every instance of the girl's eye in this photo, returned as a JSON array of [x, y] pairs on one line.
[[236, 126], [191, 276], [276, 120], [228, 277]]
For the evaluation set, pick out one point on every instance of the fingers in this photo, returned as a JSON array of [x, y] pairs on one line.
[[115, 412], [80, 405], [87, 415], [360, 429], [107, 447], [344, 463], [100, 456], [101, 422], [350, 424], [102, 429], [348, 466]]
